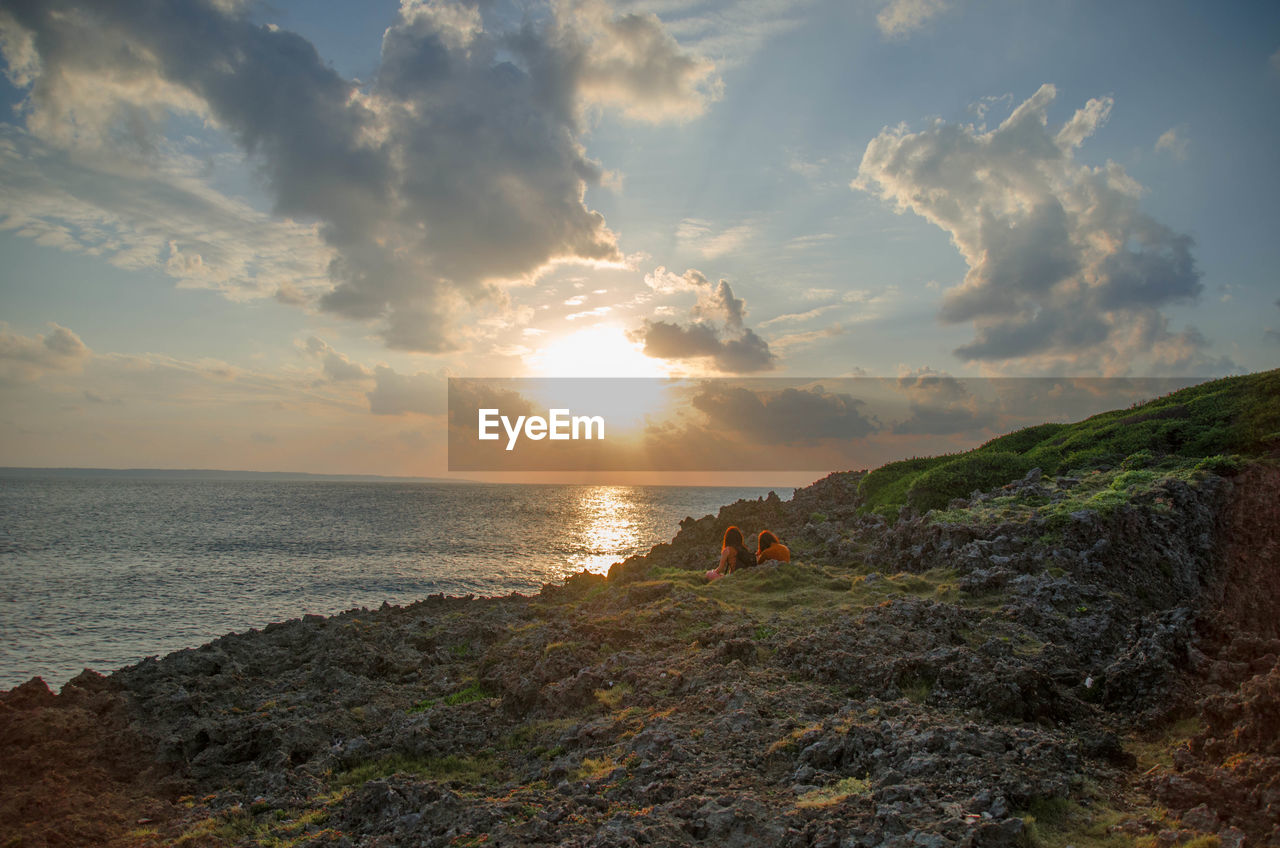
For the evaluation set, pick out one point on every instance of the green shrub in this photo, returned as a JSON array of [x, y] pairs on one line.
[[1221, 465], [1221, 422], [958, 478]]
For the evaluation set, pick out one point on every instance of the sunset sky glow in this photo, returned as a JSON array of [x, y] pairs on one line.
[[262, 236]]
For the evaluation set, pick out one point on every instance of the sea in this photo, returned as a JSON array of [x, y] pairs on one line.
[[101, 572]]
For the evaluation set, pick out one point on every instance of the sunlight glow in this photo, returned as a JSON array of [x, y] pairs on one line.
[[600, 351]]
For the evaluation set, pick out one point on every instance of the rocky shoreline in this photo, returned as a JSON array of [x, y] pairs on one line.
[[1018, 669]]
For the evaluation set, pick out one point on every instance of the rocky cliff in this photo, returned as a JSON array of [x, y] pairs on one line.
[[1085, 658]]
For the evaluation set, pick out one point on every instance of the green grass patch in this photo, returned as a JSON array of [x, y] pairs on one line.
[[1062, 822], [472, 693], [447, 769], [764, 632], [1216, 426]]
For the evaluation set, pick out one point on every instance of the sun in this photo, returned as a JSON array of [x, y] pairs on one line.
[[600, 351]]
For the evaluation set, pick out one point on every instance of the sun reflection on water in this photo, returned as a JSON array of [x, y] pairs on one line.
[[608, 518]]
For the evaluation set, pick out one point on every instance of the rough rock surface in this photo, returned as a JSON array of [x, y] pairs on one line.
[[934, 683]]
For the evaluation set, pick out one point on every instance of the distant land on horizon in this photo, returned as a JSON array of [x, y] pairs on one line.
[[218, 474]]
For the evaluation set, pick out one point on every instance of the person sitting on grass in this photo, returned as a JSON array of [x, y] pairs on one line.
[[769, 548], [733, 555]]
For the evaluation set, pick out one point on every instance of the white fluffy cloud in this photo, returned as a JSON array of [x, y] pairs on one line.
[[459, 166], [900, 18], [1065, 270], [717, 332]]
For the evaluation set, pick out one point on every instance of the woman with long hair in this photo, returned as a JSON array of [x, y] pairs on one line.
[[733, 555]]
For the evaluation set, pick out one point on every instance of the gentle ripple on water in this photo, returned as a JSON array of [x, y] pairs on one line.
[[100, 572]]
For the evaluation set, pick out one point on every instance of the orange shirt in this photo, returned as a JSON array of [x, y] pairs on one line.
[[776, 551]]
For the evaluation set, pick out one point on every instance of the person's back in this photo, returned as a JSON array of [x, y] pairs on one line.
[[733, 555], [769, 548]]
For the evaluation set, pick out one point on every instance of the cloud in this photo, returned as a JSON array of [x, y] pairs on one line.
[[941, 405], [24, 359], [396, 394], [1065, 271], [663, 281], [743, 355], [631, 61], [809, 242], [1172, 141], [459, 166], [902, 17], [731, 32], [589, 313], [702, 236], [717, 331], [336, 366], [809, 337], [1274, 62], [164, 218], [798, 317], [783, 417]]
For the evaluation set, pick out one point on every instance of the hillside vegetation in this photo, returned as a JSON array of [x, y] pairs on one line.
[[1212, 426]]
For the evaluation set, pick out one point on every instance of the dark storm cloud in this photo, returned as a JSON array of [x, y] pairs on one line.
[[459, 166]]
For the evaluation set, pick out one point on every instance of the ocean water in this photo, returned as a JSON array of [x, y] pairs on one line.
[[102, 572]]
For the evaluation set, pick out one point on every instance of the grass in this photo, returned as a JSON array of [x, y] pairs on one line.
[[610, 698], [1209, 427], [1155, 749], [792, 740], [1063, 822], [1100, 492], [447, 769], [848, 787], [917, 690], [793, 589], [470, 694], [596, 768], [282, 829]]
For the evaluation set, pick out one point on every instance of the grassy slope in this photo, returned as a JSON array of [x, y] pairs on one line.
[[1206, 425]]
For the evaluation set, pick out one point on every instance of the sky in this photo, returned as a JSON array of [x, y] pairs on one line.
[[264, 236]]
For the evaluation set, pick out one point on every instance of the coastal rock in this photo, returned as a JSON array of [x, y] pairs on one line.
[[923, 684]]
